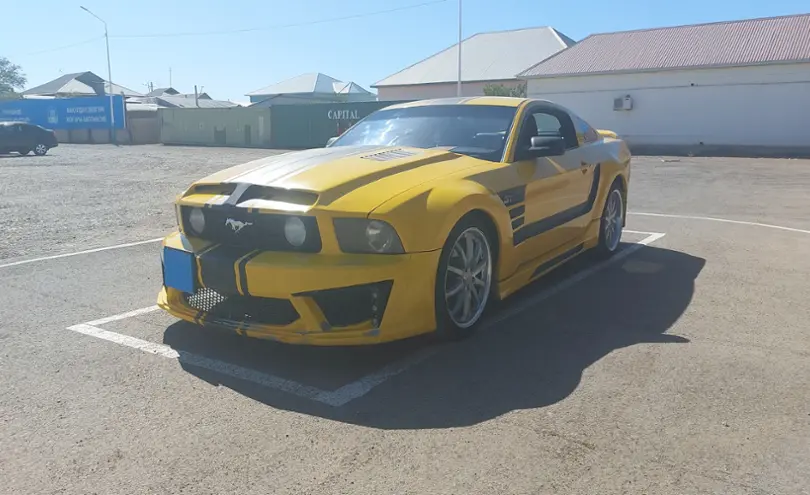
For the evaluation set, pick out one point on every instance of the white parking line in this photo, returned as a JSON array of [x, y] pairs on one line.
[[723, 220], [89, 251], [350, 391]]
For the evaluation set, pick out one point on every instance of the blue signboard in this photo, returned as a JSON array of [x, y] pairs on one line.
[[92, 112]]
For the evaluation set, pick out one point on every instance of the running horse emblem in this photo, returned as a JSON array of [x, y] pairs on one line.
[[237, 225]]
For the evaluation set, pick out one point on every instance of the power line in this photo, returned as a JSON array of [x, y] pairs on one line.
[[281, 26], [48, 50]]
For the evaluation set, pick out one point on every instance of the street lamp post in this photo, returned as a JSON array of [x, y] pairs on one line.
[[109, 73], [458, 82]]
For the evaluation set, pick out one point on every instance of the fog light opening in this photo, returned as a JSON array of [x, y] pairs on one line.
[[375, 310]]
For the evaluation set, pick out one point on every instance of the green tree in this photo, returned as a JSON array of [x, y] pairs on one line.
[[11, 77], [518, 91]]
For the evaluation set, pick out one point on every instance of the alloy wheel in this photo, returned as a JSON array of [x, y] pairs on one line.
[[468, 277], [613, 220]]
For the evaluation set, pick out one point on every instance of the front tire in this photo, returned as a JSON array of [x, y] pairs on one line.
[[612, 223], [464, 280], [40, 149]]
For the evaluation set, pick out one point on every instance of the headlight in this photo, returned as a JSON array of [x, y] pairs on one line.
[[295, 231], [196, 220], [361, 235]]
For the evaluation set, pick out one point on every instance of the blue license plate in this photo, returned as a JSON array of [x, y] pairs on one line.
[[179, 270]]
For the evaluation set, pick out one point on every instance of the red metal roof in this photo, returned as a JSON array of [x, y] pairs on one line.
[[733, 43]]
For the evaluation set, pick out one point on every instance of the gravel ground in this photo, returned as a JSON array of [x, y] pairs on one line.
[[80, 197]]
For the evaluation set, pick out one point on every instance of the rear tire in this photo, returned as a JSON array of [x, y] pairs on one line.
[[612, 223], [463, 279], [40, 149]]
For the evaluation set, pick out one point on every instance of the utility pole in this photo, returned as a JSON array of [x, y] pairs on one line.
[[109, 73], [170, 77], [458, 83], [196, 100]]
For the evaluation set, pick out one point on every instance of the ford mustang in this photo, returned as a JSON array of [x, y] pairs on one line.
[[410, 222]]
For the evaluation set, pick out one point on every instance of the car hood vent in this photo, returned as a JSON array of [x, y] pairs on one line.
[[384, 156]]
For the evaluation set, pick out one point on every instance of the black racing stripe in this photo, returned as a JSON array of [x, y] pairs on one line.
[[557, 260], [237, 194], [217, 268], [198, 317], [243, 282], [542, 226], [513, 196], [516, 212], [517, 222]]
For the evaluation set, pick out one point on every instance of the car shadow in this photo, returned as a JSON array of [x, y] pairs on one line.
[[524, 359]]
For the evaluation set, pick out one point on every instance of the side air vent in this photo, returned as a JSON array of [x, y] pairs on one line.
[[384, 156]]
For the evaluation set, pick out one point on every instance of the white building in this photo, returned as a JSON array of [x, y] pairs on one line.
[[486, 58], [731, 85]]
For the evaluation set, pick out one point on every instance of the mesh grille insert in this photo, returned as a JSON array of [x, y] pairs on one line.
[[205, 299], [242, 309]]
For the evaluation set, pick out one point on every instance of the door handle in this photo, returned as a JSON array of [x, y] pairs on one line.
[[584, 167]]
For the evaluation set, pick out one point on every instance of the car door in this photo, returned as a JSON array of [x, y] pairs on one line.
[[28, 136], [4, 137], [16, 137], [557, 187]]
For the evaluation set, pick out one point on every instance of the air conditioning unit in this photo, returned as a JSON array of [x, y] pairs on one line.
[[623, 103]]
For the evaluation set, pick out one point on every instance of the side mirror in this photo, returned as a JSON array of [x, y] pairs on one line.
[[546, 146], [330, 141]]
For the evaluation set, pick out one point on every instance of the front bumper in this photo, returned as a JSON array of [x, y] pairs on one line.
[[314, 299]]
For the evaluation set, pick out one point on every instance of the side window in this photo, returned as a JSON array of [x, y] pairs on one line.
[[548, 122], [556, 123], [547, 125]]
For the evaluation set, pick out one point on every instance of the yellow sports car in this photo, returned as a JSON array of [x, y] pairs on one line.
[[408, 223]]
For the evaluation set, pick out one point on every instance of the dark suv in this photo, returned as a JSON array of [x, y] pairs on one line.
[[24, 138]]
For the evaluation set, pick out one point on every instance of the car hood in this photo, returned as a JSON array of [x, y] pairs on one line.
[[355, 178]]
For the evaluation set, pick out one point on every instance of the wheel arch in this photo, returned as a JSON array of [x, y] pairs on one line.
[[425, 219], [621, 181], [493, 235], [617, 178]]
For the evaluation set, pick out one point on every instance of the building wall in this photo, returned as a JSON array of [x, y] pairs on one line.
[[763, 106], [237, 126], [311, 125], [442, 90]]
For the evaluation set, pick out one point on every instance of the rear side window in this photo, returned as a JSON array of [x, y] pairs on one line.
[[585, 133]]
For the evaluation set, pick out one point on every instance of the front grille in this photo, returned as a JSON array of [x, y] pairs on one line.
[[352, 305], [246, 309], [235, 226]]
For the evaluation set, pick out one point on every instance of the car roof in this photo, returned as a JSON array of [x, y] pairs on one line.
[[495, 101]]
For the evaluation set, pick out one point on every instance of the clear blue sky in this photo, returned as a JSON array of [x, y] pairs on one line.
[[363, 49]]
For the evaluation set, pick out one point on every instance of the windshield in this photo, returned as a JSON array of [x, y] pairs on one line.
[[475, 130]]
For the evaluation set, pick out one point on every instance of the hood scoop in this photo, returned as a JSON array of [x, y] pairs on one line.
[[387, 155]]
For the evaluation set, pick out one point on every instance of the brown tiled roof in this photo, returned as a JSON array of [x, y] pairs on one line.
[[734, 43]]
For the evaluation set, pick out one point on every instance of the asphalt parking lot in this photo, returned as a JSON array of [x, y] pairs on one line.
[[680, 367]]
